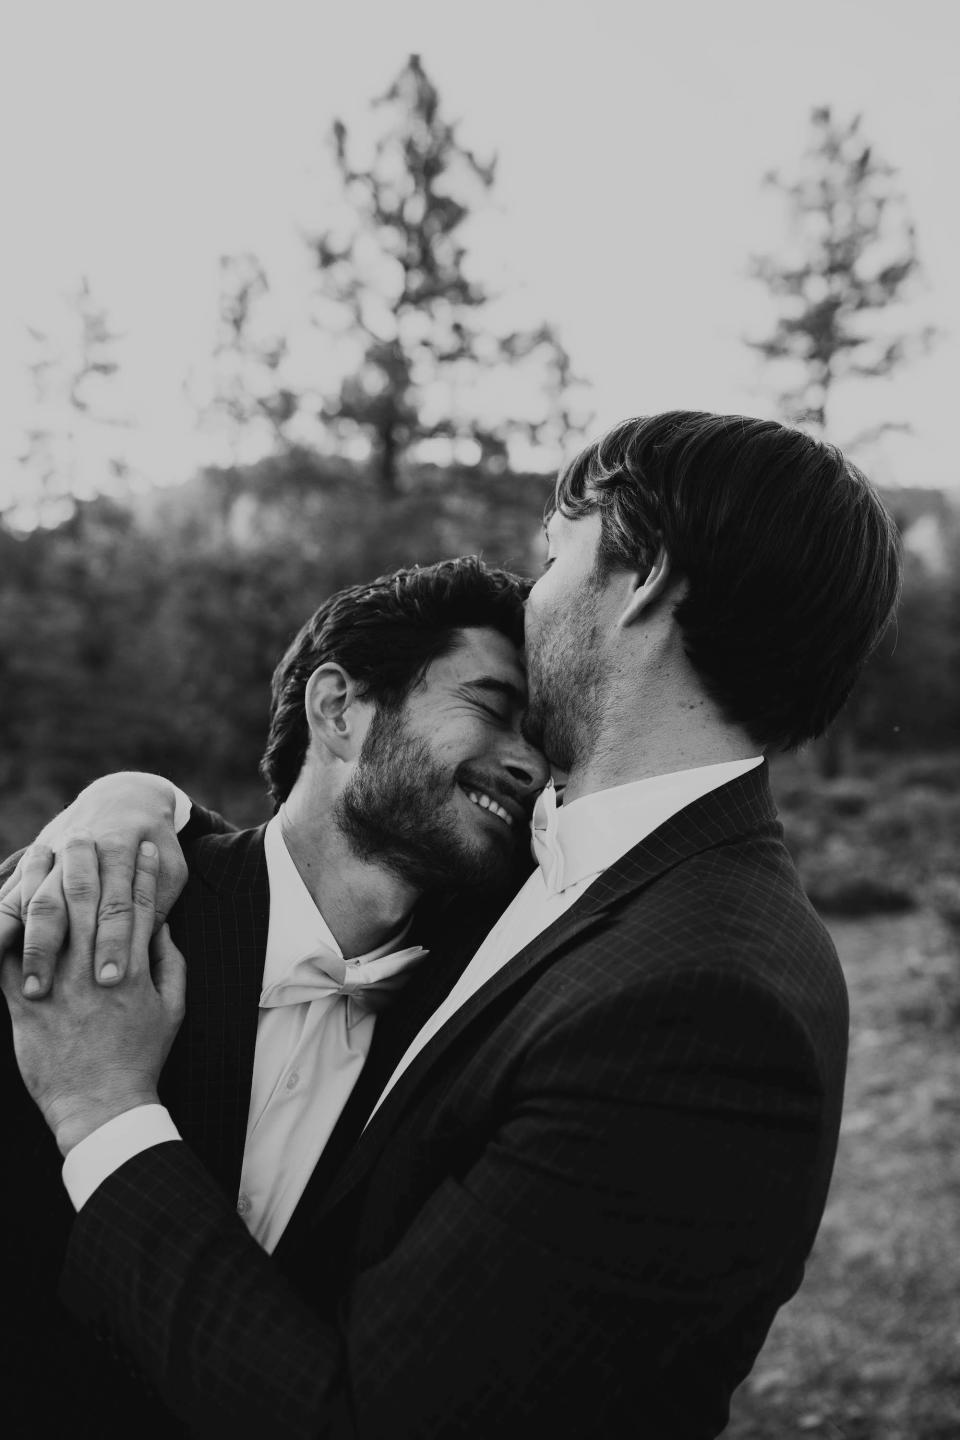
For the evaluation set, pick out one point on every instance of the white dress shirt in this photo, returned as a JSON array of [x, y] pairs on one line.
[[306, 1062], [589, 834]]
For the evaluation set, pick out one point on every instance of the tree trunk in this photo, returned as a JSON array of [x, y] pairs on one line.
[[388, 463]]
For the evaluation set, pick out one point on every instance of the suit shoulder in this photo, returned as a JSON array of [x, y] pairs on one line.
[[204, 851], [233, 860], [736, 919]]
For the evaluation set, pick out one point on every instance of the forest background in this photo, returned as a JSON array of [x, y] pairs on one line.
[[409, 411]]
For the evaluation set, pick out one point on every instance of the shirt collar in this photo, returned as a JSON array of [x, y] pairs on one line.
[[580, 840], [297, 927]]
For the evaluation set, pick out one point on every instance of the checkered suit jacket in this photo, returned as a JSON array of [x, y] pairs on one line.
[[56, 1379], [578, 1210], [220, 922]]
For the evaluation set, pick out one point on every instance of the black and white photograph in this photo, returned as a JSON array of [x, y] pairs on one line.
[[480, 720]]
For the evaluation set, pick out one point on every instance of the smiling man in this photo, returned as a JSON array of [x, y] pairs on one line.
[[403, 786], [599, 1164]]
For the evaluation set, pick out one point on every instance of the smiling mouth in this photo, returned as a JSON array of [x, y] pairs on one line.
[[487, 802]]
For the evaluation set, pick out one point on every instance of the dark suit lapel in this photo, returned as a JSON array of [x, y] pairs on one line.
[[221, 924], [724, 816]]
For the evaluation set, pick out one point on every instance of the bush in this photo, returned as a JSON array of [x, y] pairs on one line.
[[873, 843]]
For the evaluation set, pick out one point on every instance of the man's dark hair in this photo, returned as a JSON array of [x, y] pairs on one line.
[[792, 564], [385, 634]]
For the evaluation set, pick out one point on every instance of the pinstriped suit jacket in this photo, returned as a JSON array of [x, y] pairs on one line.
[[579, 1209], [221, 923]]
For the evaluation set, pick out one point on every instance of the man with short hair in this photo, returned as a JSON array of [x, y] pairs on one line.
[[402, 783], [597, 1170]]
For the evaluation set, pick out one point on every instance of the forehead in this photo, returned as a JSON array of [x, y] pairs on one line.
[[479, 654]]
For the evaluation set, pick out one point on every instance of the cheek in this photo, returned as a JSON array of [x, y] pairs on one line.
[[538, 604], [460, 744], [543, 617]]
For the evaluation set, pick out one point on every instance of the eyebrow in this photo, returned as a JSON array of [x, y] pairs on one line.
[[491, 685]]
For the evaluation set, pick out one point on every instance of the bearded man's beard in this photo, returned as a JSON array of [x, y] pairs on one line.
[[398, 810], [564, 679]]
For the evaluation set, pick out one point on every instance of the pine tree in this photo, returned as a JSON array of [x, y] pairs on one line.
[[401, 274], [852, 256]]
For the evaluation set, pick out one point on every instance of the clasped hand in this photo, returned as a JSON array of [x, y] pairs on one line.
[[87, 1051]]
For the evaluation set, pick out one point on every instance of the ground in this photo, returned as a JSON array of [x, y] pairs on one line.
[[869, 1349]]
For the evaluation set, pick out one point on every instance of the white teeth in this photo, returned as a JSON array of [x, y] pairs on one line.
[[486, 803]]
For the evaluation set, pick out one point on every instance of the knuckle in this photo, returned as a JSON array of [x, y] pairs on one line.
[[80, 887], [10, 906], [113, 910], [144, 897], [35, 956], [44, 905], [116, 848], [37, 854]]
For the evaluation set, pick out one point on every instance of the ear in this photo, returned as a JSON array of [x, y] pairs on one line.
[[646, 593], [333, 711]]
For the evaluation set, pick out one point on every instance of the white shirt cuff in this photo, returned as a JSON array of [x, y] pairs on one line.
[[181, 810], [107, 1148]]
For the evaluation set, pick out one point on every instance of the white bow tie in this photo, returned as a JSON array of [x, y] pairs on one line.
[[545, 841], [366, 987]]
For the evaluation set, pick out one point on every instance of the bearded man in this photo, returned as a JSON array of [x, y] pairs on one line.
[[401, 783], [598, 1168]]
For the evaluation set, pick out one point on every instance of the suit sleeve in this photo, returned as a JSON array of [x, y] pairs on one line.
[[203, 822], [629, 1206]]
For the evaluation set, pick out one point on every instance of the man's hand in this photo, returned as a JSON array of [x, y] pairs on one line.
[[87, 1052], [34, 866], [118, 811]]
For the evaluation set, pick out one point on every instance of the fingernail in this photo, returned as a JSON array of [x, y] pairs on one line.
[[31, 985], [109, 971], [148, 848]]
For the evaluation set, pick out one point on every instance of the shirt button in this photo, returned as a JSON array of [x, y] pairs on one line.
[[293, 1080], [243, 1205]]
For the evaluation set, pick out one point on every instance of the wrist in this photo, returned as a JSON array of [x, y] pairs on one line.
[[73, 1117], [153, 795]]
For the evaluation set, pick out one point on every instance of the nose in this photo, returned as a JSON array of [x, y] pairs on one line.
[[526, 766]]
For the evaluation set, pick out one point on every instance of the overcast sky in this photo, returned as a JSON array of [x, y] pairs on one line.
[[140, 141]]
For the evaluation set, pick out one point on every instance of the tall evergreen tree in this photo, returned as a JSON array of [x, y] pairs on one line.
[[851, 260], [851, 257], [400, 271]]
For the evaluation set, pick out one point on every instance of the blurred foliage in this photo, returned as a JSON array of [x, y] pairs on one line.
[[144, 636], [72, 443], [878, 840], [885, 841]]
